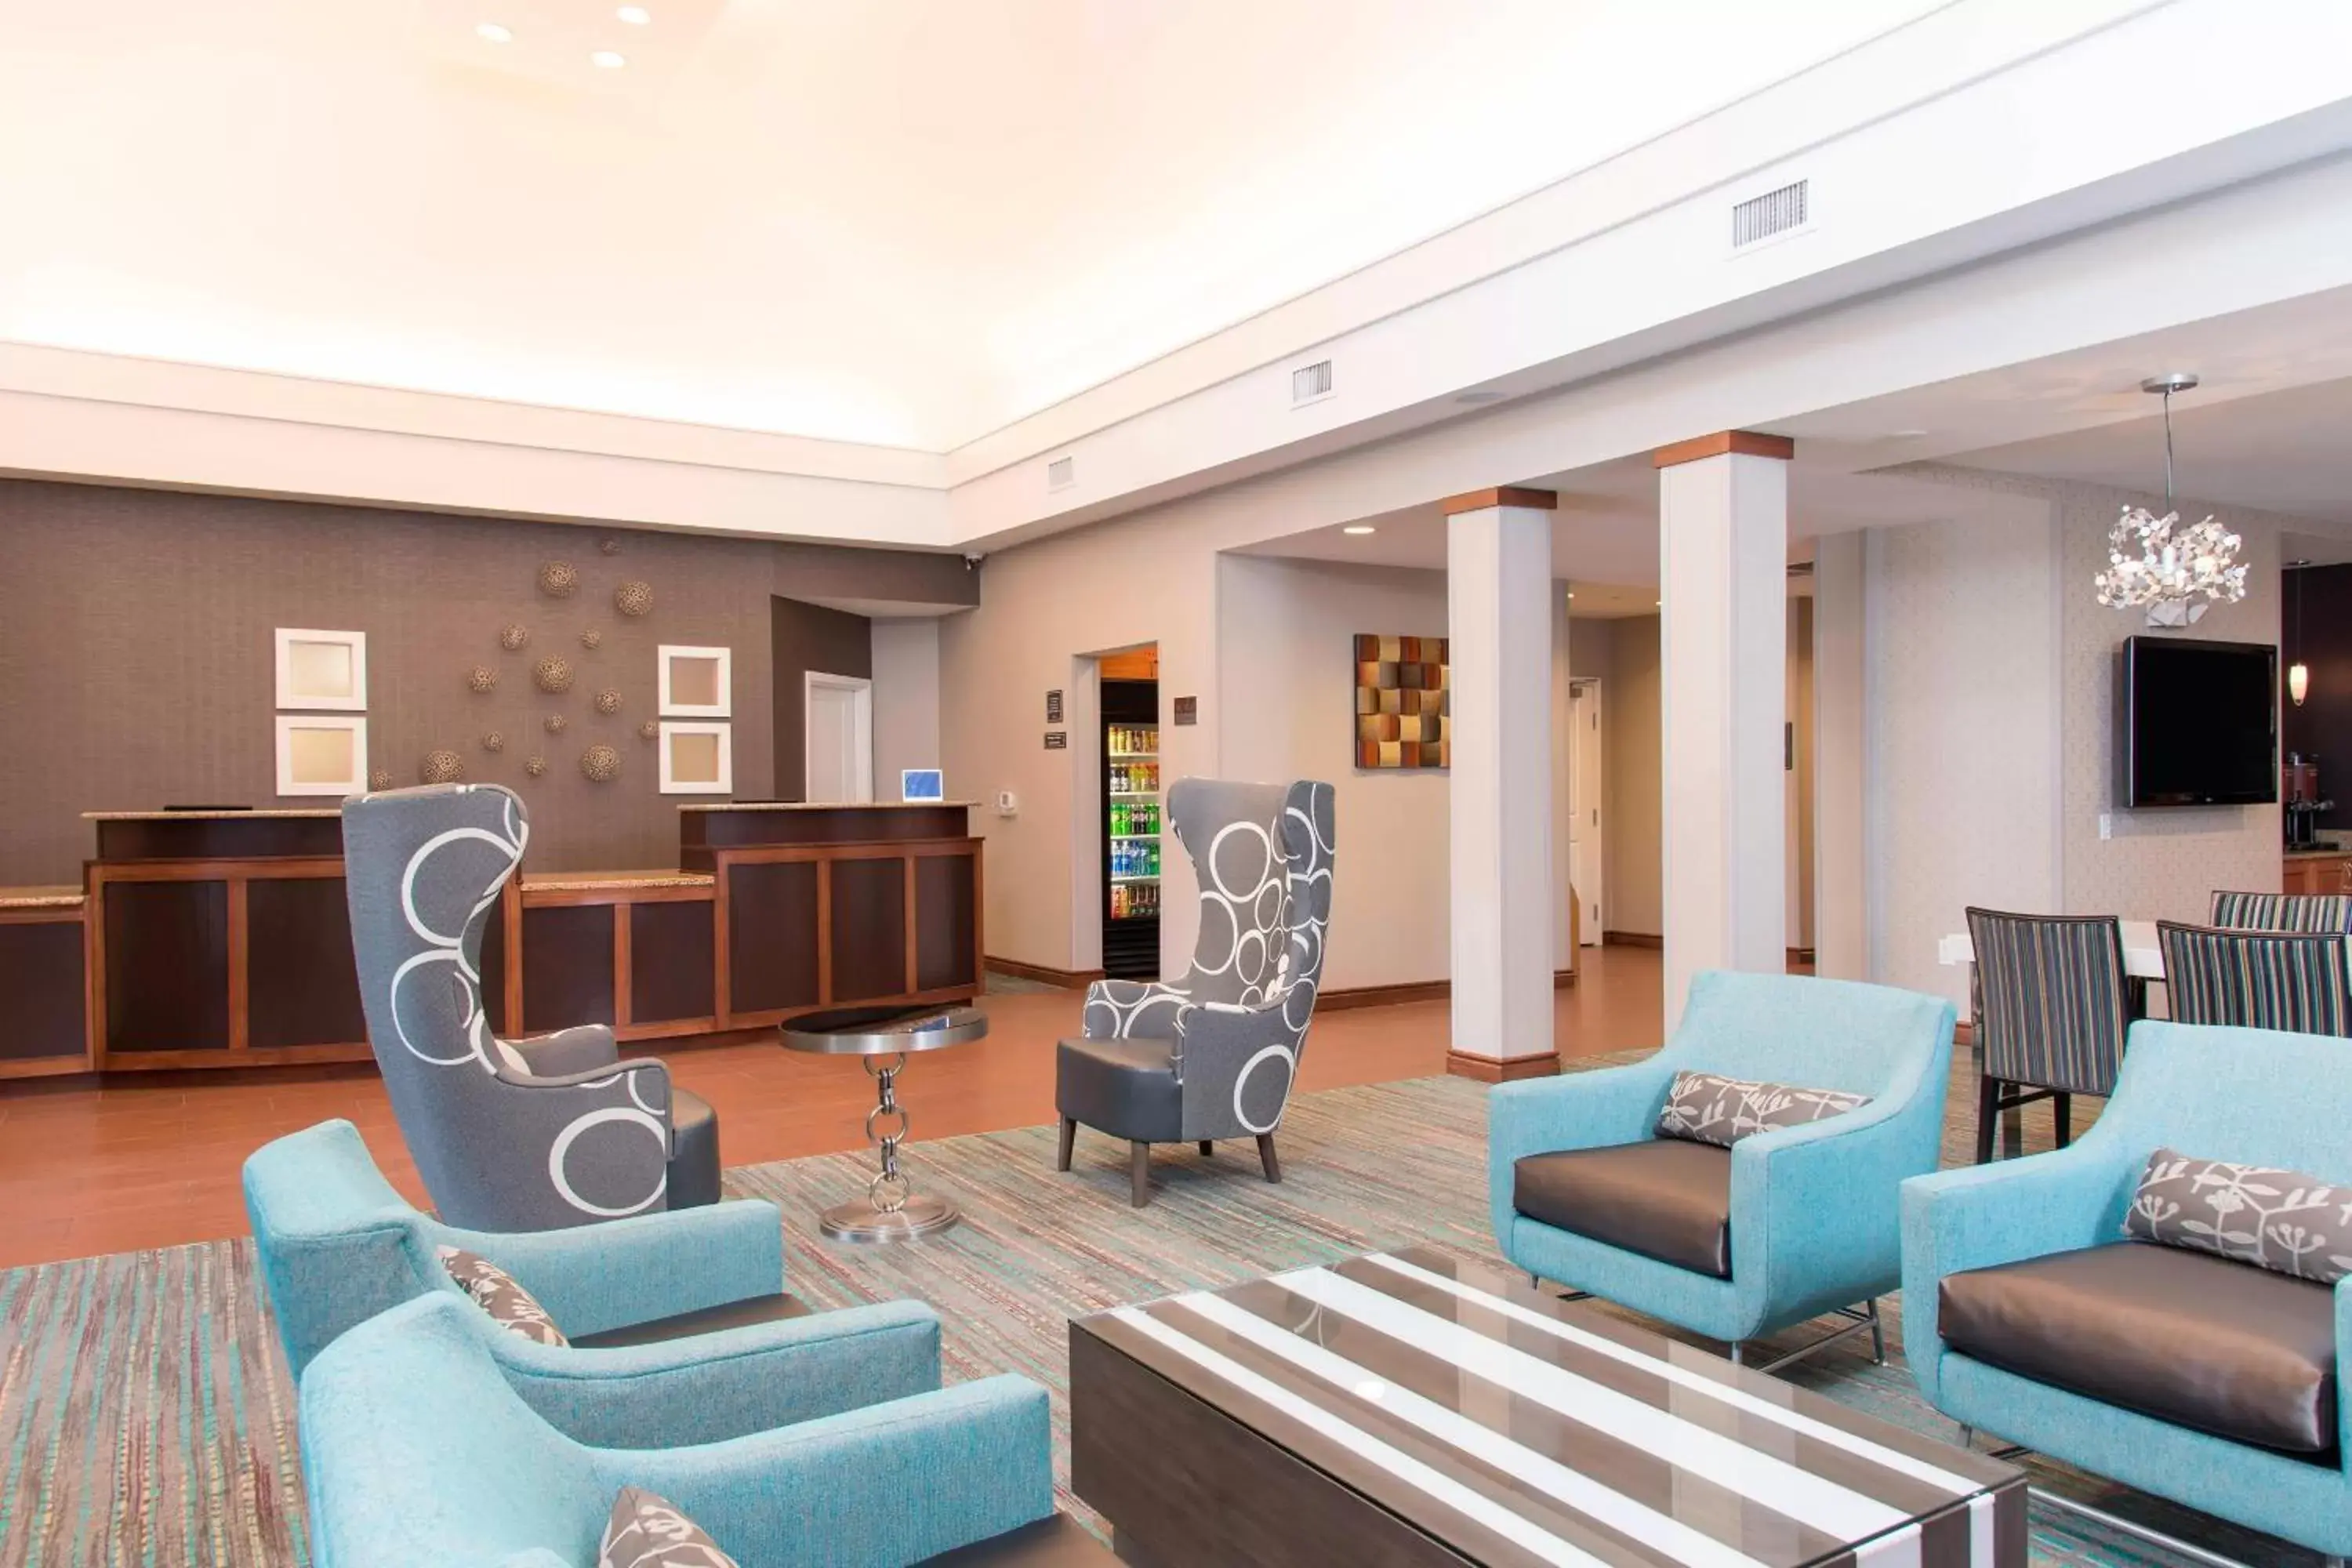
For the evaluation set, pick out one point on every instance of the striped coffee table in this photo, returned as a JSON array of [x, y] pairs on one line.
[[1406, 1409]]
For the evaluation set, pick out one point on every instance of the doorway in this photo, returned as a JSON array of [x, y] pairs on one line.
[[1585, 860], [840, 739]]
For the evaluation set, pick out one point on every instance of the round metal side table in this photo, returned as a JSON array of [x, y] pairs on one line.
[[891, 1209]]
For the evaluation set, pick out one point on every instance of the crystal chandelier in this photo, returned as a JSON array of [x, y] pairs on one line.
[[2158, 564]]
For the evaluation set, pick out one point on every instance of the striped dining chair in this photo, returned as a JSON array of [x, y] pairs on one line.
[[2051, 1004], [2283, 911], [2297, 981]]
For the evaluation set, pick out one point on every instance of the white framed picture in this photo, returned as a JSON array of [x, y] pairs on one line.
[[697, 682], [322, 669], [322, 753], [698, 757]]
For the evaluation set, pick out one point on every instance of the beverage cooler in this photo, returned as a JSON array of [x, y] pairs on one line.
[[1133, 823]]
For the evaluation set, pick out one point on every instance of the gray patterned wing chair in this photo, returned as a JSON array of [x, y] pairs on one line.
[[508, 1135], [1212, 1054]]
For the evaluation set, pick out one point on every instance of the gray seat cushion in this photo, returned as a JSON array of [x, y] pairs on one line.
[[694, 1151], [708, 1320], [2199, 1341], [1125, 1087], [1665, 1198]]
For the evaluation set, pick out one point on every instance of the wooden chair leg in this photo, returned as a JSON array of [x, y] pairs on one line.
[[1138, 1174], [1207, 1148], [2062, 1111], [1267, 1157], [1069, 1137], [1988, 1103]]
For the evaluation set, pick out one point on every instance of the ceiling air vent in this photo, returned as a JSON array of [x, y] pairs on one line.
[[1310, 383], [1061, 473], [1774, 213]]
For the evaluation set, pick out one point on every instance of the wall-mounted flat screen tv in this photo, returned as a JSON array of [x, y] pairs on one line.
[[2198, 722]]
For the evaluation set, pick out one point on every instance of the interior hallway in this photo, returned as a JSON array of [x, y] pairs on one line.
[[156, 1161]]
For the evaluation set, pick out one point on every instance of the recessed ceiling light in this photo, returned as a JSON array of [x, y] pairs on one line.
[[494, 33], [607, 59], [1359, 528], [634, 15]]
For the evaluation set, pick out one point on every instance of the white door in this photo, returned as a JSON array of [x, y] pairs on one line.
[[840, 738], [1584, 867]]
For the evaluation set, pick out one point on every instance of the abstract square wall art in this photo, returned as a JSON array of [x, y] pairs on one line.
[[1403, 706]]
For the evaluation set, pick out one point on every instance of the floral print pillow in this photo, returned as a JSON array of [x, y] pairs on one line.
[[1708, 1108], [2283, 1221], [648, 1531], [497, 1292]]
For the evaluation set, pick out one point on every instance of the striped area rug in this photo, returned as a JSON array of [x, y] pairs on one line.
[[146, 1414]]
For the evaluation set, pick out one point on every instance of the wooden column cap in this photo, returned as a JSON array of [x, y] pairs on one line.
[[1748, 443], [1502, 495]]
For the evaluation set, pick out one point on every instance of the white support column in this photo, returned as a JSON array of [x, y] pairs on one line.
[[1499, 624], [1723, 650]]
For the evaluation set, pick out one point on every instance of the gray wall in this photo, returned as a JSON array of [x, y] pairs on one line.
[[136, 653]]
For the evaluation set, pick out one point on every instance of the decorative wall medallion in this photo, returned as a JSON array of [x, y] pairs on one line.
[[552, 674], [554, 724], [492, 741], [601, 764], [591, 639], [512, 638], [634, 598], [380, 779], [441, 767], [609, 546], [535, 766], [558, 579], [608, 700], [481, 679], [650, 730]]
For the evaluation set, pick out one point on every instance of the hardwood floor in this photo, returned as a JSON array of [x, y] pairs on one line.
[[154, 1161]]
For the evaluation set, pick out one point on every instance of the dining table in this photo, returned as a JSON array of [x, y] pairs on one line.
[[2143, 954]]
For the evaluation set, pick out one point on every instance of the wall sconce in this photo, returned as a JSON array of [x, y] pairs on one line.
[[2298, 682], [2298, 674]]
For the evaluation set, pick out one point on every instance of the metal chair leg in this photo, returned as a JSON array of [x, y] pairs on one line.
[[1877, 1334], [1207, 1148], [1739, 1353]]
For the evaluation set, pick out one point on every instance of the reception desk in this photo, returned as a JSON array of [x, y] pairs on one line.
[[221, 939]]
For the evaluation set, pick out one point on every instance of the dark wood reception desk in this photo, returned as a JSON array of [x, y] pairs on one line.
[[221, 939]]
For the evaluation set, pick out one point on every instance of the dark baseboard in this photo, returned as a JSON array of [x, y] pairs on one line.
[[1067, 979], [1631, 939], [1350, 996], [1353, 996], [1485, 1069]]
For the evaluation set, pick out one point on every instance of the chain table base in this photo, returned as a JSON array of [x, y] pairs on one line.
[[890, 1211]]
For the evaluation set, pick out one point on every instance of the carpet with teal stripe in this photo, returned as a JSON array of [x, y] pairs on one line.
[[146, 1416]]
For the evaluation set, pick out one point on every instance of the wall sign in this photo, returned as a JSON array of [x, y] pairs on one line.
[[1052, 708], [1187, 709], [1058, 739]]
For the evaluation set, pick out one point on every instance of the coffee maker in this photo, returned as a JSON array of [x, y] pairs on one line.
[[2304, 805]]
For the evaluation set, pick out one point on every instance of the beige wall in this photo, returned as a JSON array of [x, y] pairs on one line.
[[1799, 794], [1634, 842], [1284, 631], [906, 662]]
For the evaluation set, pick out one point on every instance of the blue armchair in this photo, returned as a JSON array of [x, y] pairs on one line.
[[692, 1300], [416, 1448], [1805, 1217], [2245, 1095]]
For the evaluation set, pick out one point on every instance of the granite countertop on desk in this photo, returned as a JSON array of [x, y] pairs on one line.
[[603, 881], [831, 806], [2319, 849], [224, 814], [49, 897]]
